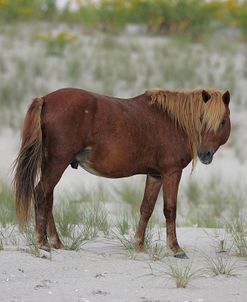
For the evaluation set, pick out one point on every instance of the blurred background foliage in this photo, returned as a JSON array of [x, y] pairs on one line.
[[192, 17]]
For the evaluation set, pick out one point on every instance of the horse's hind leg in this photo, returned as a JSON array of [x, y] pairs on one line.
[[153, 185], [52, 171], [51, 228]]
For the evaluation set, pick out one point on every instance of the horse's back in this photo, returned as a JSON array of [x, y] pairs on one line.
[[73, 104], [76, 95]]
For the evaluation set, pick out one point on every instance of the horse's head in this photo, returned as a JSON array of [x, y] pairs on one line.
[[212, 139]]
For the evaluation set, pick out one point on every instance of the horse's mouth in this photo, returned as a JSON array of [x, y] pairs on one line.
[[206, 156], [206, 161]]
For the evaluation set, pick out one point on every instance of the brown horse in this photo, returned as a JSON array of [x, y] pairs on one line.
[[156, 133]]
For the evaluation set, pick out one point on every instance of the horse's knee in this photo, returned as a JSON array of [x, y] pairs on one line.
[[170, 212], [146, 211], [43, 196]]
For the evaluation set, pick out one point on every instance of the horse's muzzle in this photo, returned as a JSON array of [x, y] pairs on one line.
[[205, 155]]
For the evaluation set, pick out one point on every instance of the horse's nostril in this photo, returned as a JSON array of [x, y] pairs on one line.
[[208, 153]]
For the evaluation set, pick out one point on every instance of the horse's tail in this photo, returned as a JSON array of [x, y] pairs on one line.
[[28, 162]]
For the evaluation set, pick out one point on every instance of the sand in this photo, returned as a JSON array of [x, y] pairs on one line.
[[102, 271]]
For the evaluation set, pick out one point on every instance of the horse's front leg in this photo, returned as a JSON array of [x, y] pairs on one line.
[[170, 190], [153, 185]]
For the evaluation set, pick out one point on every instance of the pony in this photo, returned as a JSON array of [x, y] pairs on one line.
[[157, 133]]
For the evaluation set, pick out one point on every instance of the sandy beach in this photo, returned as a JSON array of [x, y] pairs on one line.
[[102, 271]]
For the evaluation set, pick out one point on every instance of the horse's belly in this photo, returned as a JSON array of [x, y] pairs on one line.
[[93, 163], [83, 159], [90, 167]]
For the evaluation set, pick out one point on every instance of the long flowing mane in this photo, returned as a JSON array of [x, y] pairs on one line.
[[188, 111]]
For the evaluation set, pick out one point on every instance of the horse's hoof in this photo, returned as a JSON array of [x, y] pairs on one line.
[[181, 255], [46, 247], [58, 246], [139, 246]]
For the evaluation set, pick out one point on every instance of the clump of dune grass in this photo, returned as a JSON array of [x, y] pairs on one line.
[[7, 205], [209, 204], [33, 247], [238, 231], [127, 242], [180, 271], [68, 217], [221, 264], [221, 240], [79, 221], [95, 217], [78, 236], [152, 245], [131, 195], [1, 241], [123, 225], [157, 251], [152, 236], [56, 44], [10, 235]]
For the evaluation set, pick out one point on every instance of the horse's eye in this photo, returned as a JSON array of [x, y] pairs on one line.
[[222, 124]]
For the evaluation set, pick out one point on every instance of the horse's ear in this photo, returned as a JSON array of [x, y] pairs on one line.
[[226, 98], [205, 96]]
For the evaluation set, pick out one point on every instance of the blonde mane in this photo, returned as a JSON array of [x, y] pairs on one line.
[[188, 111]]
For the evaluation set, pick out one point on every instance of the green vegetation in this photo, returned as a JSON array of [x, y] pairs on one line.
[[238, 230], [127, 242], [157, 251], [131, 195], [7, 205], [181, 271], [24, 10], [123, 225], [85, 217], [221, 265], [29, 238], [52, 59], [154, 245], [221, 240], [67, 215], [1, 242], [210, 204], [193, 17], [55, 44], [80, 221]]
